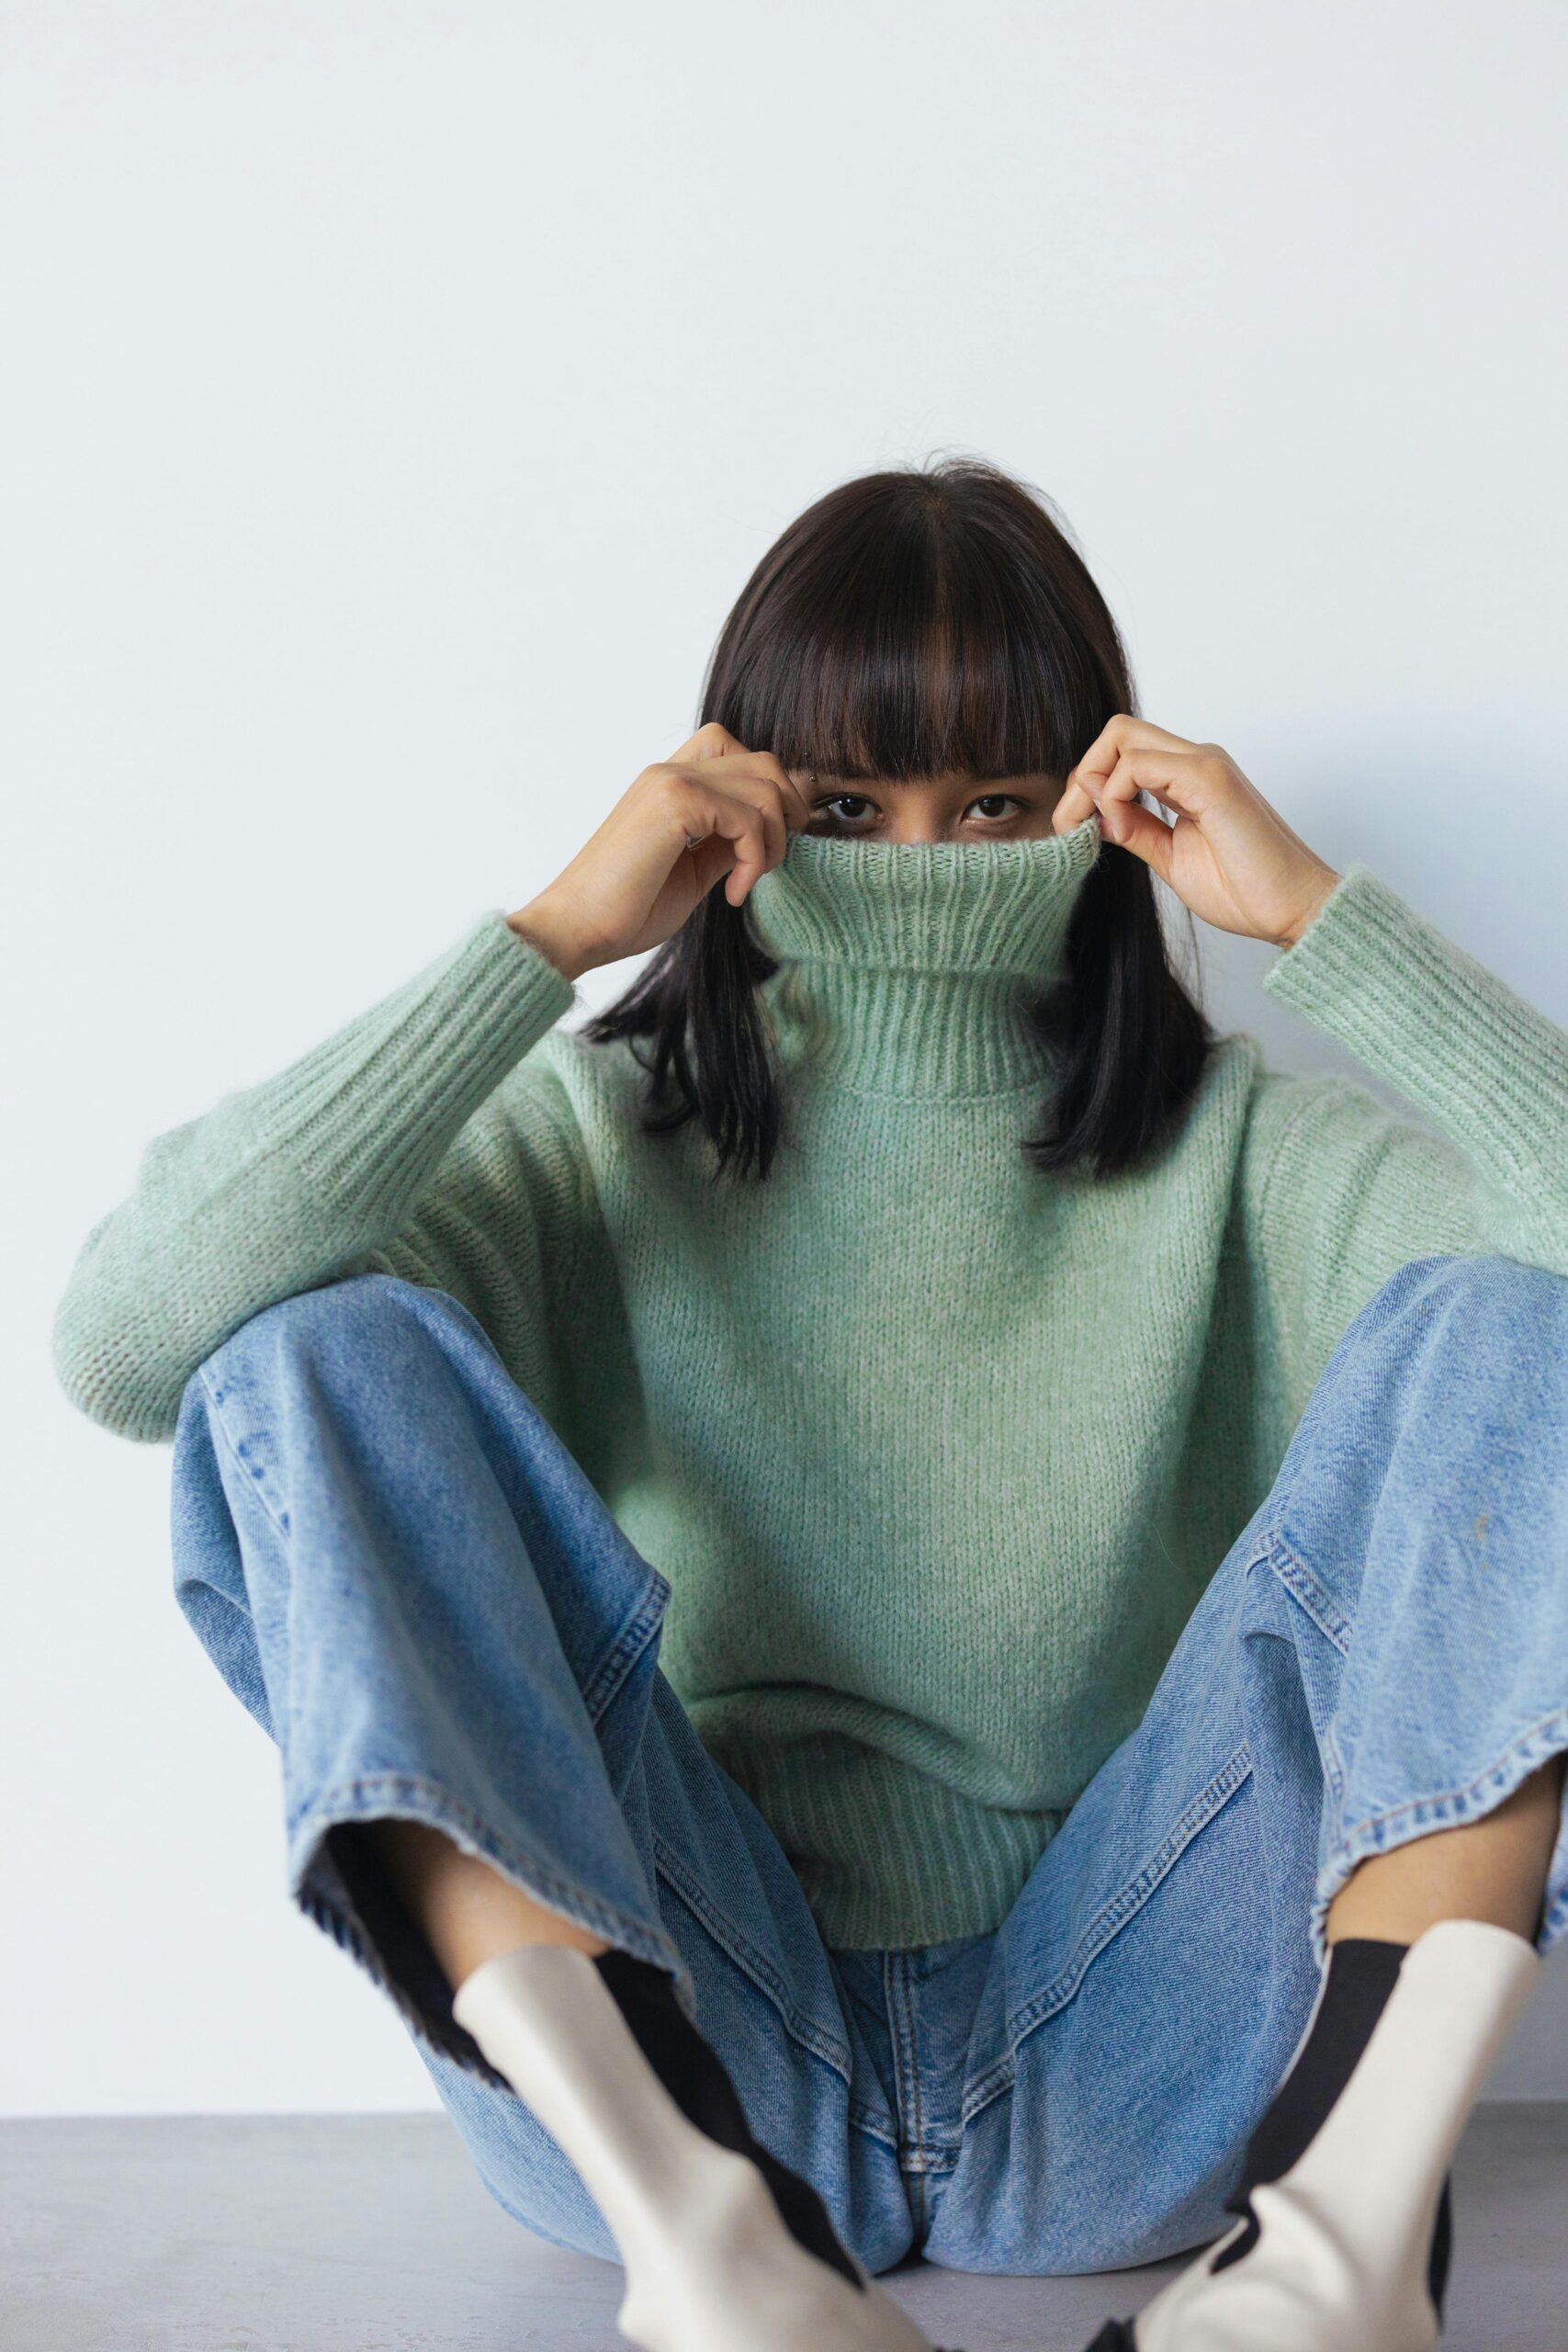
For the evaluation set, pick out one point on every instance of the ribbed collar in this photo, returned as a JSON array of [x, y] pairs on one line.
[[910, 967]]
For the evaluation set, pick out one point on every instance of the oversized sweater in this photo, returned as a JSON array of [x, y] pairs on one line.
[[936, 1452]]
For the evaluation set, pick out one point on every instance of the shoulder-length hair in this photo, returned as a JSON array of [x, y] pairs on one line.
[[924, 621]]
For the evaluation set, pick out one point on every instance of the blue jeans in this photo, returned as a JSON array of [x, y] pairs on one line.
[[402, 1572]]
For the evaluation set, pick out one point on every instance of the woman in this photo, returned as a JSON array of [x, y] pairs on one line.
[[908, 1604]]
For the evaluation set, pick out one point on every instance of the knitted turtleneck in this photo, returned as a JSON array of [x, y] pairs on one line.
[[914, 967], [937, 1452]]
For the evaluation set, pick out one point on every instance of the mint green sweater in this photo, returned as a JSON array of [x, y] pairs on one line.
[[937, 1452]]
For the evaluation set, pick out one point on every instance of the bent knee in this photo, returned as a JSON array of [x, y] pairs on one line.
[[351, 1314], [1471, 1316], [1478, 1283]]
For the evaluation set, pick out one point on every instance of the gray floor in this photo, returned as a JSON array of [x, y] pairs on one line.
[[372, 2234]]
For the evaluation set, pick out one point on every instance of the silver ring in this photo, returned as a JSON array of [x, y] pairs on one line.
[[693, 840]]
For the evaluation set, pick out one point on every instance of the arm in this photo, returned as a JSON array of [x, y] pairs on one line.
[[319, 1171], [372, 1152], [1336, 1192]]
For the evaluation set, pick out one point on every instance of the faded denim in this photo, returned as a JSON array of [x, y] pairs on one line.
[[403, 1573]]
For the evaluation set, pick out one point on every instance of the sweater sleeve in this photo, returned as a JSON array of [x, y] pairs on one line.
[[379, 1147], [1337, 1191]]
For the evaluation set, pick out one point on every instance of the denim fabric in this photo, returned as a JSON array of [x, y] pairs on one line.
[[406, 1577]]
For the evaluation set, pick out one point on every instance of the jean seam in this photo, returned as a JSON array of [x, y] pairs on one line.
[[1448, 1808], [236, 1453], [873, 2125], [918, 2150], [283, 1724], [627, 1647], [751, 1962], [1333, 1762], [918, 2158], [1113, 1916], [896, 2007], [1306, 1590]]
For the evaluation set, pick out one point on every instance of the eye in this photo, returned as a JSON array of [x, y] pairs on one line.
[[853, 808], [993, 806]]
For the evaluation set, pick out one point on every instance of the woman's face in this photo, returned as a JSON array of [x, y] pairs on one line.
[[936, 808]]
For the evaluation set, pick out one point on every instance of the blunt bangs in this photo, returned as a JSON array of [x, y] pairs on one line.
[[920, 624]]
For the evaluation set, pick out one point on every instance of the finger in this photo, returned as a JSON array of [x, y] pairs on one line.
[[1183, 782], [1125, 733], [1071, 807], [710, 742], [757, 793], [1128, 826], [764, 781], [735, 821], [760, 794], [798, 808], [752, 855]]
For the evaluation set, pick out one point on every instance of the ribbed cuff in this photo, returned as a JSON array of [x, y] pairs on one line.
[[1418, 1009], [384, 1098]]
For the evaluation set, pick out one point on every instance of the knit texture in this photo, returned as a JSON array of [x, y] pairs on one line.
[[937, 1452]]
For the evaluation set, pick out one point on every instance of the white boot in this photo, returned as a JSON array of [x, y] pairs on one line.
[[710, 2264], [1338, 2248]]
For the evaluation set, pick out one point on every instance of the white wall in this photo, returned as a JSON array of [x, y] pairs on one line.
[[396, 397]]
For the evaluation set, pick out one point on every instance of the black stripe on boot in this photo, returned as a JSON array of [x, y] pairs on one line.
[[692, 2071], [1362, 1972]]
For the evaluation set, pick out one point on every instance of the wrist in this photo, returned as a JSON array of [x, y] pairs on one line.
[[1326, 882], [542, 928]]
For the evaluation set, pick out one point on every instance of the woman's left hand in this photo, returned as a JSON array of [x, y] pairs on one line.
[[1229, 855]]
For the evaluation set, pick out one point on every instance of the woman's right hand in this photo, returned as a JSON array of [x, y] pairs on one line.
[[712, 810]]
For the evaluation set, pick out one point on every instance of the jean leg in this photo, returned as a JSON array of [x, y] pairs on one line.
[[1382, 1652], [406, 1577], [382, 1545], [1420, 1524]]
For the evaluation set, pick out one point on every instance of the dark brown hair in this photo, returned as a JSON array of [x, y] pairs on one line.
[[920, 622]]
